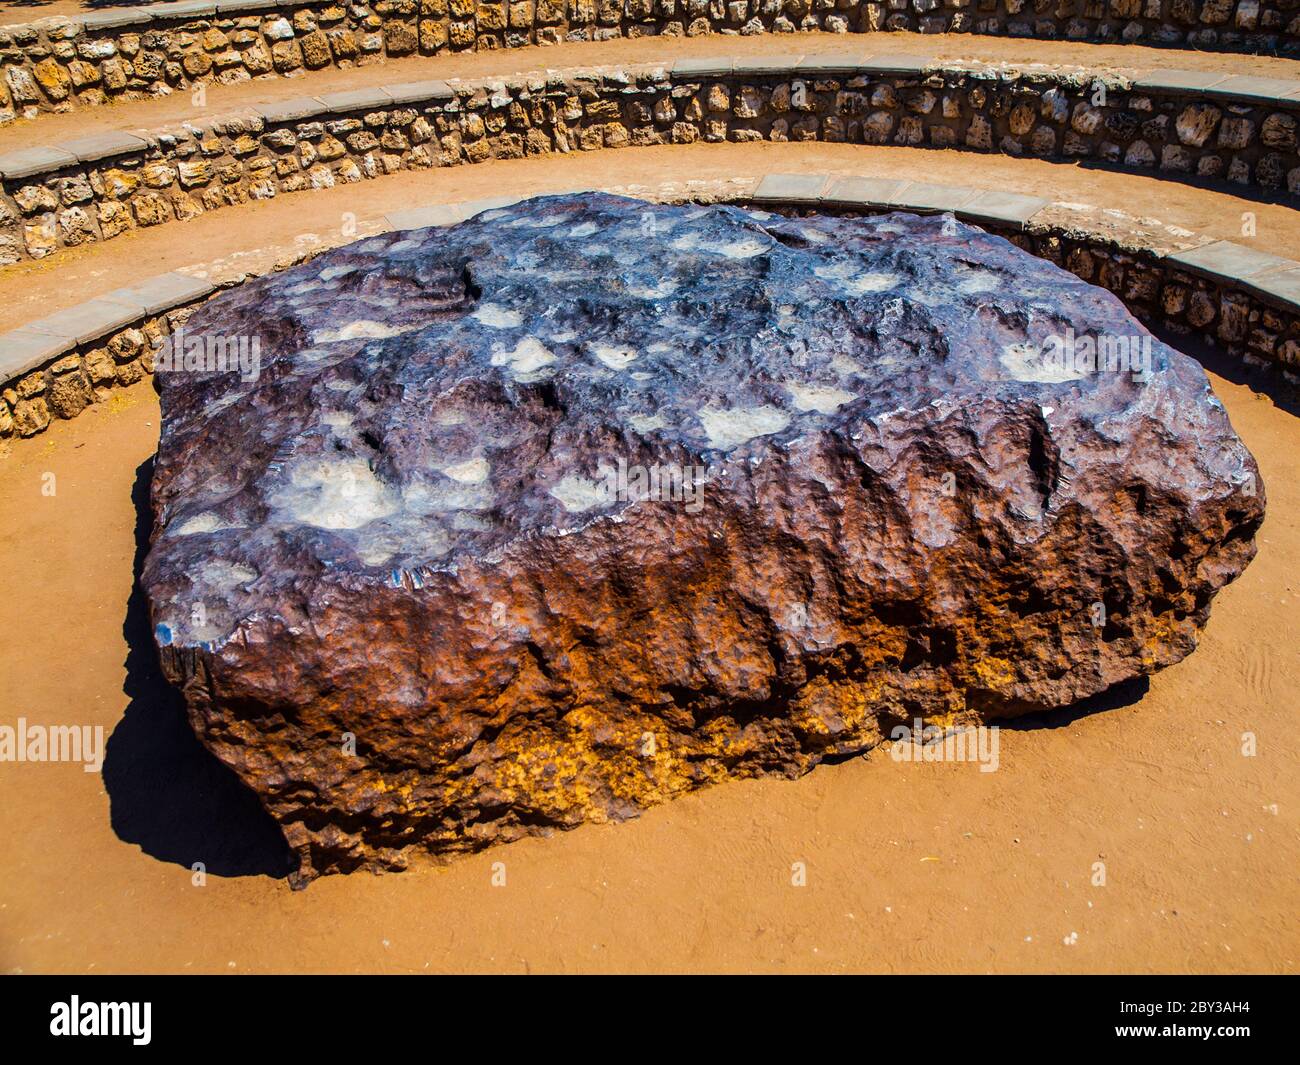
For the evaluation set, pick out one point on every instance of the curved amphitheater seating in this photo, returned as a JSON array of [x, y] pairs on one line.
[[1185, 125], [121, 53], [1244, 300]]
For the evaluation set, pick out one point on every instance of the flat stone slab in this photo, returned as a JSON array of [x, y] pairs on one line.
[[864, 192], [790, 188], [357, 100], [832, 63], [414, 92], [1249, 87], [163, 293], [88, 322], [922, 196], [1227, 261], [292, 110], [108, 145], [103, 20], [710, 67], [1191, 82], [28, 162], [23, 350], [1008, 208], [765, 65], [1282, 286], [182, 9], [898, 64], [231, 7]]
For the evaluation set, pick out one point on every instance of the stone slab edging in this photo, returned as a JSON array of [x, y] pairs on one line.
[[61, 363], [95, 188], [59, 63], [29, 346]]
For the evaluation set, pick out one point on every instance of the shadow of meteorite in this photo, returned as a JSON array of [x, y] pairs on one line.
[[167, 793]]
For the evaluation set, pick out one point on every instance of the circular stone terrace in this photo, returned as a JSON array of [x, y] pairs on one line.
[[150, 158]]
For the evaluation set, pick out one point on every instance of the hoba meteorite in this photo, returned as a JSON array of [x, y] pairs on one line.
[[410, 601]]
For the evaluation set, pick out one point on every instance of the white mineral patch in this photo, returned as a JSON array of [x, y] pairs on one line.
[[587, 229], [871, 282], [424, 541], [442, 497], [339, 384], [331, 272], [466, 522], [731, 428], [616, 358], [814, 236], [822, 398], [577, 494], [646, 423], [846, 365], [218, 573], [851, 277], [449, 416], [201, 523], [337, 419], [302, 288], [742, 249], [652, 292], [545, 222], [404, 245], [525, 359], [498, 317], [977, 281], [473, 471], [362, 329], [1028, 362], [374, 554], [334, 493]]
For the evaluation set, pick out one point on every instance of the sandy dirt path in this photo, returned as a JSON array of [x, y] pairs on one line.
[[180, 106], [909, 867]]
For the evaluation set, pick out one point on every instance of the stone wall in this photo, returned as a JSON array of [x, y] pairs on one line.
[[71, 383], [128, 53], [1246, 302], [100, 187]]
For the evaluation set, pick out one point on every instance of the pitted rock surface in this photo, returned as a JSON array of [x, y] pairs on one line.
[[406, 607]]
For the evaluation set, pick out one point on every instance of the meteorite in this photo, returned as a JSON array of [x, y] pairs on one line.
[[584, 503]]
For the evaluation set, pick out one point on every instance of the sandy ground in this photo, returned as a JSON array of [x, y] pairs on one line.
[[180, 106], [254, 236], [909, 867]]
